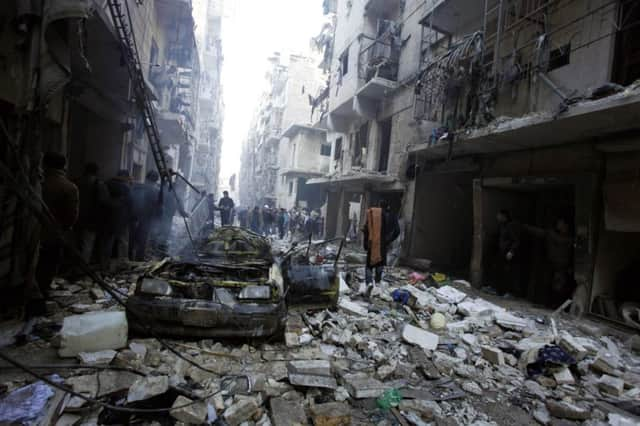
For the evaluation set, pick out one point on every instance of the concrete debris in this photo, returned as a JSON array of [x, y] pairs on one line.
[[331, 414], [444, 358], [184, 410], [241, 411], [420, 337], [611, 385], [93, 332], [449, 294], [493, 355], [96, 358], [567, 410], [148, 387]]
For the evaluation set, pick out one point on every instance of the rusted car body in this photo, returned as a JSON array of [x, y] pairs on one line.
[[232, 286]]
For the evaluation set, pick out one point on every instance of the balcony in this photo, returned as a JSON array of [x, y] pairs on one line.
[[454, 16]]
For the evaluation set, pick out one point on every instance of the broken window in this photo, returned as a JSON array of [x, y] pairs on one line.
[[360, 140], [559, 57], [626, 67], [337, 154], [325, 150], [344, 62]]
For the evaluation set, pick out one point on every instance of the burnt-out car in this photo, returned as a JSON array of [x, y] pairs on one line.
[[231, 285]]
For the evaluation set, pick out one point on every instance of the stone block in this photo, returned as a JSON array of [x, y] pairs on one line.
[[148, 387], [92, 332], [567, 410], [564, 377], [420, 337], [493, 355], [361, 387], [191, 414], [242, 410], [287, 413], [331, 414], [611, 385]]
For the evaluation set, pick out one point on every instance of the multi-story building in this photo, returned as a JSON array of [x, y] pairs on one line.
[[64, 87], [454, 110], [207, 162], [285, 104]]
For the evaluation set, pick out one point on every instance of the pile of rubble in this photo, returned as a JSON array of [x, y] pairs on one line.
[[419, 350]]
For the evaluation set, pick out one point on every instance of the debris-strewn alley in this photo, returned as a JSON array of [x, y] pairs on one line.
[[421, 349], [320, 212]]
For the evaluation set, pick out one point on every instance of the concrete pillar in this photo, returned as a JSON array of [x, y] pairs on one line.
[[476, 255]]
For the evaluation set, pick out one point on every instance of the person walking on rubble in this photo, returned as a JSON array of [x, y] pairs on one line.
[[63, 201], [94, 197], [114, 235], [508, 256], [226, 206], [559, 254], [146, 209], [380, 230]]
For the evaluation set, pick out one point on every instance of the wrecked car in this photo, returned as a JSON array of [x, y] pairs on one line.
[[231, 285]]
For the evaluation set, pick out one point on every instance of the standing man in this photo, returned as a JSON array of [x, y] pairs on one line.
[[380, 230], [94, 198], [226, 206], [63, 200], [243, 217], [255, 220], [146, 202], [114, 238], [280, 220], [508, 256]]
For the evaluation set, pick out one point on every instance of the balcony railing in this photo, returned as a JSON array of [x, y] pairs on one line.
[[379, 59]]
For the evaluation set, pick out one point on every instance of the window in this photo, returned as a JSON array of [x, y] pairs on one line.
[[344, 62], [291, 188], [559, 57], [337, 154], [325, 150]]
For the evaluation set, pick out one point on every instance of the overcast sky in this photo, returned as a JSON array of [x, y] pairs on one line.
[[252, 31]]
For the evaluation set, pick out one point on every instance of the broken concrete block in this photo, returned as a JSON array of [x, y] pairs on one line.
[[331, 414], [566, 410], [472, 388], [92, 332], [606, 363], [564, 377], [493, 355], [95, 358], [361, 387], [428, 410], [541, 415], [611, 385], [420, 337], [385, 371], [313, 373], [444, 363], [478, 307], [510, 322], [195, 414], [241, 411], [110, 382], [148, 387], [572, 346], [287, 413], [352, 307], [448, 294]]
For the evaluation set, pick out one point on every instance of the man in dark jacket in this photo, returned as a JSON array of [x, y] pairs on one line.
[[114, 238], [63, 201], [94, 198], [226, 206], [146, 208], [508, 257], [380, 230]]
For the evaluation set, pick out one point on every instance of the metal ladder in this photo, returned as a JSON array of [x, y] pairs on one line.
[[122, 24]]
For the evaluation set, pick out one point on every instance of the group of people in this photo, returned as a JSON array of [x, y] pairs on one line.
[[116, 218], [284, 223]]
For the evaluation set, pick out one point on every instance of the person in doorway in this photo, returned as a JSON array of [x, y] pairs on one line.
[[226, 206], [114, 235], [63, 201], [146, 208], [380, 230], [558, 244], [508, 256], [94, 198]]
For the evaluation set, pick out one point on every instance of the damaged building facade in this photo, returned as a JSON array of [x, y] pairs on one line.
[[211, 106], [454, 110], [65, 88], [282, 151]]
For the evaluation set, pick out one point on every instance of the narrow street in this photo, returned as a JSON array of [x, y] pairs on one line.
[[320, 212]]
